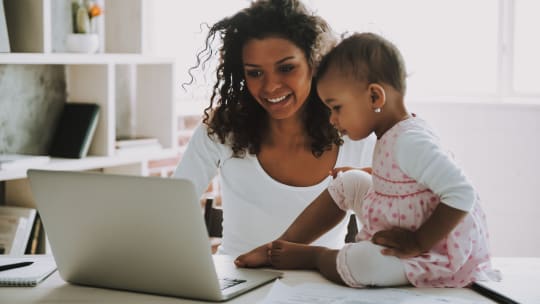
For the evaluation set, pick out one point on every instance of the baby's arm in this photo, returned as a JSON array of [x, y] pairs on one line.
[[404, 243], [319, 217]]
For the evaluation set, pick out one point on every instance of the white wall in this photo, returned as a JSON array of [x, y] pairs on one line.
[[498, 146]]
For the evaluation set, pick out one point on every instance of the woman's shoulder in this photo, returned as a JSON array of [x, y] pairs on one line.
[[357, 152], [202, 137], [359, 145]]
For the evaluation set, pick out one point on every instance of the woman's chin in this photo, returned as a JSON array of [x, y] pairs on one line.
[[281, 110]]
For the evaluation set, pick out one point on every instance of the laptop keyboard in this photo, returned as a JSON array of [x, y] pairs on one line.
[[229, 282]]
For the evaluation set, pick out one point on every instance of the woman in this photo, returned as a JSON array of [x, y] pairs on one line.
[[266, 130]]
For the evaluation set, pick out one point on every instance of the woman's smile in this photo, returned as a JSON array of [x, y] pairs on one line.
[[278, 99]]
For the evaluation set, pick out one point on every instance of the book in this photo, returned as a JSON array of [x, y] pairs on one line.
[[4, 38], [35, 237], [139, 150], [22, 161], [40, 269], [10, 227], [517, 284], [135, 142], [75, 130], [126, 146], [16, 224]]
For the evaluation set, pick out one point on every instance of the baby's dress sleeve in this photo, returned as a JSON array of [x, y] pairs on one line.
[[349, 188], [420, 156]]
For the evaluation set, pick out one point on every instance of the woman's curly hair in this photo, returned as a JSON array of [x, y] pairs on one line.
[[233, 114]]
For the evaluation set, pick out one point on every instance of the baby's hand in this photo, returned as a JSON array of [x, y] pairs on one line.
[[400, 243], [258, 257], [334, 172]]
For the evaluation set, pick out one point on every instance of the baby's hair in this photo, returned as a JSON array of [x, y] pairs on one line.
[[367, 57]]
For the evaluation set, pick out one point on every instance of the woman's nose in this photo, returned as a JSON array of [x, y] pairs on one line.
[[271, 83]]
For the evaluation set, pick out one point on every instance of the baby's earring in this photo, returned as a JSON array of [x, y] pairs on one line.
[[374, 97]]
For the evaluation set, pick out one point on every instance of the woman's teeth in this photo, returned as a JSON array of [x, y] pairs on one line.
[[276, 100]]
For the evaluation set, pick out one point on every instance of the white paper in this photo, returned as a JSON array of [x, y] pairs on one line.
[[333, 294]]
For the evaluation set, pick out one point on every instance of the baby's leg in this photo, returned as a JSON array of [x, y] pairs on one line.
[[349, 189], [362, 264], [288, 255]]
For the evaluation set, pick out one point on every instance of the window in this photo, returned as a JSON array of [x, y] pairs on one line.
[[454, 49], [526, 47], [447, 51]]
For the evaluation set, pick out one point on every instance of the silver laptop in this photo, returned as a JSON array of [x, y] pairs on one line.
[[144, 234]]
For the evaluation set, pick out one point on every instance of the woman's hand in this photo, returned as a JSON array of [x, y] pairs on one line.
[[334, 172], [258, 257], [400, 243]]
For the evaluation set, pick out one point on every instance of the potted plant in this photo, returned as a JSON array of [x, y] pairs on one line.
[[84, 38]]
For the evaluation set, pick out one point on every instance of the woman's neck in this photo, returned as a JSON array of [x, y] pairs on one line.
[[288, 133]]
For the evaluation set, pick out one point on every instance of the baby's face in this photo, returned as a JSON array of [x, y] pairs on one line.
[[350, 103]]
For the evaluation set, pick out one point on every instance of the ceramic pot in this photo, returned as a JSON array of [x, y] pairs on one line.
[[82, 43]]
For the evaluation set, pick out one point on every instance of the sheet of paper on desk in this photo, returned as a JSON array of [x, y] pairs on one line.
[[323, 293]]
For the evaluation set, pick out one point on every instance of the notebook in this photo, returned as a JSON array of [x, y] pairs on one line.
[[41, 268], [518, 284], [144, 234], [75, 130]]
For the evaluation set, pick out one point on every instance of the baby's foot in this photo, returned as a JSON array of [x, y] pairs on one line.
[[257, 257], [287, 255]]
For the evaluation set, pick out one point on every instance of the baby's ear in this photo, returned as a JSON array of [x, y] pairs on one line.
[[378, 95]]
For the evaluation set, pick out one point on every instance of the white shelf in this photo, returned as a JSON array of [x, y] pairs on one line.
[[42, 25], [72, 58], [89, 163], [37, 29]]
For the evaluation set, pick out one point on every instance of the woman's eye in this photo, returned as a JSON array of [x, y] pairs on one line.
[[253, 73], [336, 108], [286, 68]]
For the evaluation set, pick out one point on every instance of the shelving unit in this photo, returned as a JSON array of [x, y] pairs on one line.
[[37, 30], [40, 26]]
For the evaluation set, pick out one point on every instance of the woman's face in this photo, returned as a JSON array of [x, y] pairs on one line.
[[277, 75]]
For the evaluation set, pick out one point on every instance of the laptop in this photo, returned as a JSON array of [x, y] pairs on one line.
[[144, 234]]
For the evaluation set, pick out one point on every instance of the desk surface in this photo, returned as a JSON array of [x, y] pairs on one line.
[[55, 290]]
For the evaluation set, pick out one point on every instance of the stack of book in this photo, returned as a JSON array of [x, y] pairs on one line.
[[136, 145], [20, 228]]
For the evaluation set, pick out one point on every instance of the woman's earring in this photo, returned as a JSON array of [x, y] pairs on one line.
[[377, 110]]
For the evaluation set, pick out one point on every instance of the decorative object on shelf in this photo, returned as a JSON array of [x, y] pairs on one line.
[[84, 38], [4, 38]]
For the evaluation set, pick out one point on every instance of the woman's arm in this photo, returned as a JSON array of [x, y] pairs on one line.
[[319, 217], [200, 160]]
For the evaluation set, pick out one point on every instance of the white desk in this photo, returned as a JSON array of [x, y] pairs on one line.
[[55, 290]]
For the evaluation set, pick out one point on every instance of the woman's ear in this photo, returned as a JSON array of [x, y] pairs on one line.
[[378, 96]]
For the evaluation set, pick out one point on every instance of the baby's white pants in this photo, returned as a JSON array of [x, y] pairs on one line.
[[362, 264]]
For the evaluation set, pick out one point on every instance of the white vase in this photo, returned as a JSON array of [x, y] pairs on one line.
[[82, 43]]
